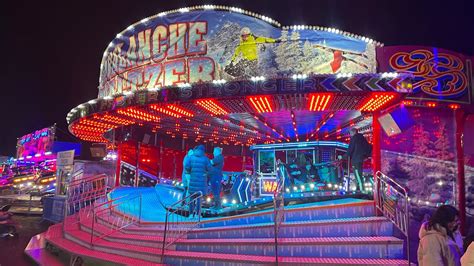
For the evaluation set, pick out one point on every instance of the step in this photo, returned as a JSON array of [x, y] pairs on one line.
[[174, 257], [337, 247], [292, 213], [302, 212], [54, 237], [355, 247], [345, 227], [120, 237]]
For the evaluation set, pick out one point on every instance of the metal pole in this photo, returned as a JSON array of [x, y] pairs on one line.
[[376, 154], [140, 211], [138, 164], [164, 237], [92, 228], [461, 186]]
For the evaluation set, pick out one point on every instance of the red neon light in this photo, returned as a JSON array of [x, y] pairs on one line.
[[212, 106], [431, 104], [114, 119], [319, 101], [377, 101], [138, 114], [261, 103]]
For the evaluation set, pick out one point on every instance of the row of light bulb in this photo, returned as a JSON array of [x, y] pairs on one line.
[[29, 184], [258, 78], [389, 75], [344, 75]]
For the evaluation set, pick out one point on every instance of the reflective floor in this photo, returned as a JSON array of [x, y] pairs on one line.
[[155, 198]]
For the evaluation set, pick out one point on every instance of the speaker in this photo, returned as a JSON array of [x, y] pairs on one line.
[[98, 151], [396, 121]]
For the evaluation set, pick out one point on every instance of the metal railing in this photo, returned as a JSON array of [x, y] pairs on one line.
[[117, 213], [279, 203], [391, 199], [181, 217], [80, 195]]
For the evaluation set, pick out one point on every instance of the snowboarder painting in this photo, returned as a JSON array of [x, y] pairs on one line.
[[244, 62]]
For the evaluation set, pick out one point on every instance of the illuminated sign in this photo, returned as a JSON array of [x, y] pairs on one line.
[[36, 143], [268, 186], [206, 45]]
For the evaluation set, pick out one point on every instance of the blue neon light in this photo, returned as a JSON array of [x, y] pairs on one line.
[[299, 145]]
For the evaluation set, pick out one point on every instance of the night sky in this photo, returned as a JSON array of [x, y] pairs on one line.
[[51, 51]]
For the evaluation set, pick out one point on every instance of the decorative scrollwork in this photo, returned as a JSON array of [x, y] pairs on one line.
[[438, 74]]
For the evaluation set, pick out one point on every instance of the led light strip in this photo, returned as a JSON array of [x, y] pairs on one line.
[[261, 104], [319, 101], [211, 106]]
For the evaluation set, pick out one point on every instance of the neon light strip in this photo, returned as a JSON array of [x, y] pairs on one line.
[[261, 104]]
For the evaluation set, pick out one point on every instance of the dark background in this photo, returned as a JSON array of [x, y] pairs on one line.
[[51, 51]]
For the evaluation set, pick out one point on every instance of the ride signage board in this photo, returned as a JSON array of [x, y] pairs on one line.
[[206, 45]]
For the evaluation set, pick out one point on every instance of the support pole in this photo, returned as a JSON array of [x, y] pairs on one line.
[[376, 140], [119, 160], [376, 154], [138, 164], [461, 185]]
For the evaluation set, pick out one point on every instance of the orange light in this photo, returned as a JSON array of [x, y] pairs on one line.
[[319, 101], [407, 102], [454, 106], [377, 101], [172, 110], [261, 104], [138, 114], [431, 104], [212, 106]]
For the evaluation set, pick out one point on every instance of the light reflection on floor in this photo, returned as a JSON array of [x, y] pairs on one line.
[[155, 198]]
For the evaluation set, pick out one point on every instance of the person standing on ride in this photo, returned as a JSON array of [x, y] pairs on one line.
[[440, 240], [198, 167], [185, 177], [216, 176], [359, 149]]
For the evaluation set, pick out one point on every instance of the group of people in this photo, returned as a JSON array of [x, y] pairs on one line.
[[302, 171], [199, 171]]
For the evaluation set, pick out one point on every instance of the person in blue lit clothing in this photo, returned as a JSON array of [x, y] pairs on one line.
[[186, 177], [198, 167], [216, 176]]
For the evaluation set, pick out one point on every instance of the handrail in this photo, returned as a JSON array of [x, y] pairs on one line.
[[181, 225], [125, 205], [279, 203], [391, 199], [80, 195]]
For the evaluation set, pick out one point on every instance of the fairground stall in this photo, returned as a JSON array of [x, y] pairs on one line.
[[276, 99]]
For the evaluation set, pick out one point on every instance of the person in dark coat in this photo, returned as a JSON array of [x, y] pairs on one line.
[[216, 176], [359, 149], [198, 166]]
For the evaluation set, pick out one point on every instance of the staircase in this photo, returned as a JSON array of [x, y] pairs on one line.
[[332, 233]]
